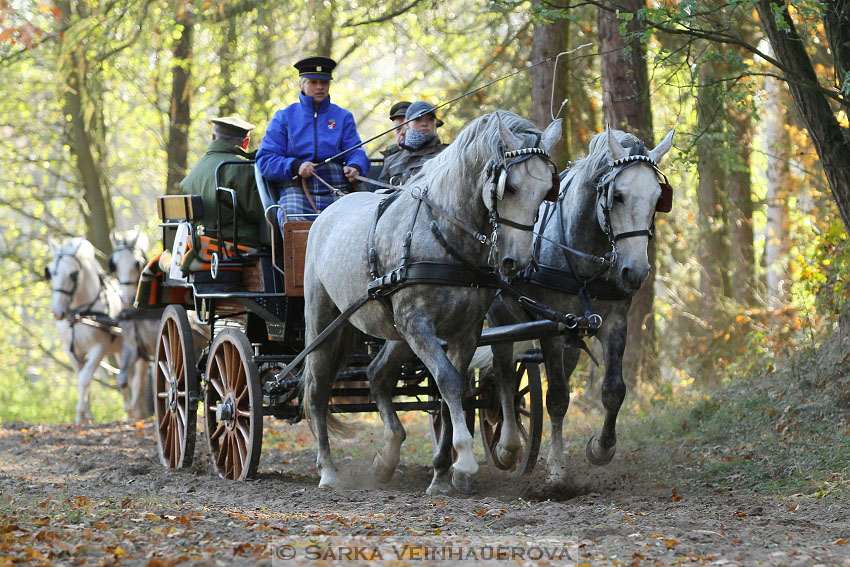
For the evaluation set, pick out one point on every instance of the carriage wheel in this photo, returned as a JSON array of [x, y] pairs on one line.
[[175, 383], [528, 405], [233, 407], [437, 426]]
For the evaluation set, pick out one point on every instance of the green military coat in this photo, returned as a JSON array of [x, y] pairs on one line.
[[402, 165], [240, 178]]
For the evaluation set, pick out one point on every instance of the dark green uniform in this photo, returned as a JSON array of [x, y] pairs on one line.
[[240, 178], [402, 165]]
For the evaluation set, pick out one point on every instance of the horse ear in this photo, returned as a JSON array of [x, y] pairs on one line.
[[142, 242], [662, 148], [509, 141], [114, 237], [615, 148], [552, 134], [53, 244]]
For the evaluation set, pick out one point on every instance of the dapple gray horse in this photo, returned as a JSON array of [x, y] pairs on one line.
[[606, 210], [129, 256], [80, 288], [440, 324]]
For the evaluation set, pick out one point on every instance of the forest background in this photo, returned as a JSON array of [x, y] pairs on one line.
[[105, 104]]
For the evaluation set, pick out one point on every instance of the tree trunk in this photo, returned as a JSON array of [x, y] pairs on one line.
[[741, 209], [711, 195], [830, 139], [85, 131], [626, 106], [227, 101], [549, 39], [181, 99], [323, 12], [777, 242]]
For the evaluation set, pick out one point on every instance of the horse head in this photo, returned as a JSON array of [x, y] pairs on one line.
[[73, 273], [628, 196], [516, 181], [128, 258]]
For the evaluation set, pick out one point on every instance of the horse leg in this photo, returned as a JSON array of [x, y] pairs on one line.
[[507, 450], [460, 355], [137, 387], [320, 371], [443, 367], [383, 375], [127, 375], [560, 364], [601, 447], [84, 378]]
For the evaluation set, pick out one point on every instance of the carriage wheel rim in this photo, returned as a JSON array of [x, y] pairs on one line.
[[233, 443], [173, 379]]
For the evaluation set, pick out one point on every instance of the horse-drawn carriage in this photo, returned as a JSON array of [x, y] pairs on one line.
[[251, 301]]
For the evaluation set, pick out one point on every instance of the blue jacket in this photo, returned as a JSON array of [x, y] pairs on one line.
[[298, 133]]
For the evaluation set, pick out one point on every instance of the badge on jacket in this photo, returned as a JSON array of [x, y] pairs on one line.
[[331, 124]]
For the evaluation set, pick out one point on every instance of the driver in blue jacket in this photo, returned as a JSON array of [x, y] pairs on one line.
[[303, 135]]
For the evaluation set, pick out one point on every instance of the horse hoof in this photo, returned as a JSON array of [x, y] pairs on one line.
[[599, 460], [439, 487], [329, 480], [382, 472], [464, 483], [504, 460]]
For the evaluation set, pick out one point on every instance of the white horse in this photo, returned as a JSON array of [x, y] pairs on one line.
[[493, 177], [81, 294], [594, 248], [128, 258]]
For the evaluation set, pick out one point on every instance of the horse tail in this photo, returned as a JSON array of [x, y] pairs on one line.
[[334, 424]]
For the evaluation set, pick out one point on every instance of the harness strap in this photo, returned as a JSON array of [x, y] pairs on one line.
[[418, 193], [307, 194], [341, 318]]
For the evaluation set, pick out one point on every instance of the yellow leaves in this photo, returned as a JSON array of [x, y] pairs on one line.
[[671, 543], [81, 502]]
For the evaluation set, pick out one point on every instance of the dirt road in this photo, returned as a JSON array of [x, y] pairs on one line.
[[98, 496]]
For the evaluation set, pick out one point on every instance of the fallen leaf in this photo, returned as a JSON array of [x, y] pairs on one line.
[[676, 496], [671, 543], [792, 507], [839, 542]]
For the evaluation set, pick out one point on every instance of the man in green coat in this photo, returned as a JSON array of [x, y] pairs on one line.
[[230, 140]]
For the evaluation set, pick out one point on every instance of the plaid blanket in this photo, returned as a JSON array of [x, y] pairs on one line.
[[295, 203]]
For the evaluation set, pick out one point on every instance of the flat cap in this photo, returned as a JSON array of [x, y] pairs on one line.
[[316, 67], [231, 126], [399, 109], [419, 109]]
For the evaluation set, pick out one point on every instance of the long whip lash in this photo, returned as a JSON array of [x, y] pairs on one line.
[[457, 98]]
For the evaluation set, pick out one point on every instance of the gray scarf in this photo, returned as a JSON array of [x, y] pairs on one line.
[[414, 140]]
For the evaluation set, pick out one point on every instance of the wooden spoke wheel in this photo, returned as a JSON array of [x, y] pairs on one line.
[[437, 425], [175, 384], [528, 406], [233, 407]]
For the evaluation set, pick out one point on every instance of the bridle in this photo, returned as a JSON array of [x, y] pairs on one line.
[[498, 172], [605, 194], [74, 275], [137, 254]]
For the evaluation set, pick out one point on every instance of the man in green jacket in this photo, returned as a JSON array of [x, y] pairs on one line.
[[230, 140]]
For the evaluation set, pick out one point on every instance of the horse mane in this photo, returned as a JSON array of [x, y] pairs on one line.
[[592, 168], [477, 144]]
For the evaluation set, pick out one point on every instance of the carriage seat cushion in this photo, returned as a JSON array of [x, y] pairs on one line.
[[194, 254], [152, 293]]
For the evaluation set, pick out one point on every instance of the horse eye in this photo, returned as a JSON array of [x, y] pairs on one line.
[[74, 276], [618, 197]]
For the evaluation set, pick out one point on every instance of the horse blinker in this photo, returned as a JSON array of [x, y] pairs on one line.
[[552, 195], [665, 201], [111, 265], [47, 275]]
